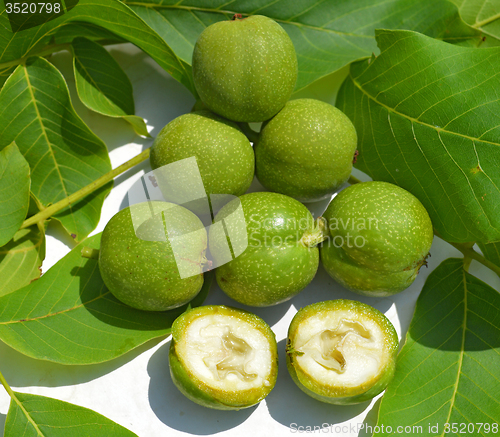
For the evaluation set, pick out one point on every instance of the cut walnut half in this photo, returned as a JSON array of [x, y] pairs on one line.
[[341, 351], [223, 357]]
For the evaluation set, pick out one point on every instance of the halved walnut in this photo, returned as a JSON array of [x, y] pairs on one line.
[[223, 357], [341, 351]]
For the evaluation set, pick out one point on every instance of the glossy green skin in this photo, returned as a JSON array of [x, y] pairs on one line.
[[245, 69], [306, 151], [340, 395], [194, 388], [224, 155], [143, 274], [397, 238], [276, 265]]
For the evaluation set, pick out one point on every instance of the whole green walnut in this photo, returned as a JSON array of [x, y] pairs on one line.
[[223, 153], [245, 69], [380, 236], [306, 151], [147, 269], [280, 259], [222, 357], [341, 351]]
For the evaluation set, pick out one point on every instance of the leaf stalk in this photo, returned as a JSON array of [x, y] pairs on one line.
[[6, 386], [48, 50], [469, 252], [45, 52], [85, 191]]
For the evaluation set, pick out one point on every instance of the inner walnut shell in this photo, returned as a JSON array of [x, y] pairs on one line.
[[226, 353], [326, 347], [340, 351]]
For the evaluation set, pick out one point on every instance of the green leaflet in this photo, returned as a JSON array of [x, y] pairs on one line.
[[14, 191], [447, 372], [68, 32], [483, 15], [21, 259], [4, 74], [112, 15], [63, 153], [326, 35], [102, 85], [427, 115], [38, 416], [68, 316]]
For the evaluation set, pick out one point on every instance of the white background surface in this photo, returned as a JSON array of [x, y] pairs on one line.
[[135, 390]]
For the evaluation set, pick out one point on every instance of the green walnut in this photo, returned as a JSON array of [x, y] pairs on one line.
[[223, 153], [149, 268], [306, 151], [222, 357], [280, 258], [341, 351], [380, 236], [245, 69]]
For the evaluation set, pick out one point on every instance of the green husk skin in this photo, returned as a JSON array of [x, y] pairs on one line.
[[306, 151], [143, 274], [224, 155], [277, 264], [189, 386], [342, 396], [245, 69], [195, 389], [304, 384], [356, 278], [393, 235]]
